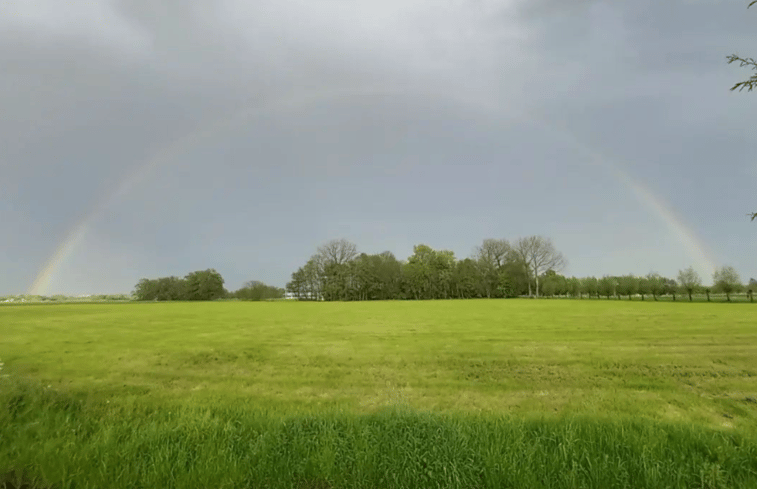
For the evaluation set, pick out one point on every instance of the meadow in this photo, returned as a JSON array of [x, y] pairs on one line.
[[479, 393]]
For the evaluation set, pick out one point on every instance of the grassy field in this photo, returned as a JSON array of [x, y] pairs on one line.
[[496, 393]]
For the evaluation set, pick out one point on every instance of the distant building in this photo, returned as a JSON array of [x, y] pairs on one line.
[[304, 296]]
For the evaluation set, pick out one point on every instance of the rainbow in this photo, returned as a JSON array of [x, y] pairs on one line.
[[695, 248]]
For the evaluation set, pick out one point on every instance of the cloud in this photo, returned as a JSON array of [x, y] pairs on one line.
[[273, 114], [95, 22]]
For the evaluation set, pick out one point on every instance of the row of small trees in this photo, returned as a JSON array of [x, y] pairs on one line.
[[202, 285], [498, 268], [726, 280]]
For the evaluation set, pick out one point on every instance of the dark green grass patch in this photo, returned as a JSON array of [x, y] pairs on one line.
[[49, 439]]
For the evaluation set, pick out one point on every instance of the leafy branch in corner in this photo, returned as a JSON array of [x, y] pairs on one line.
[[748, 84], [752, 81]]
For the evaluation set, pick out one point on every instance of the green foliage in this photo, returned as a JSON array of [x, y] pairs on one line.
[[197, 286], [608, 286], [628, 285], [574, 287], [467, 279], [205, 285], [496, 270], [689, 280], [590, 286], [338, 273], [258, 291], [297, 286], [750, 83], [727, 280], [655, 284], [553, 284], [644, 286], [161, 289], [538, 255]]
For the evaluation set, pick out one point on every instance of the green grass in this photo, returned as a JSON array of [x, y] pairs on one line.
[[494, 393]]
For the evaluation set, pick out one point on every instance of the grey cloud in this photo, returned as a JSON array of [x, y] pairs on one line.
[[283, 124]]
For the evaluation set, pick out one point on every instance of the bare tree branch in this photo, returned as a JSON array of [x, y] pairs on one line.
[[493, 252], [540, 255], [338, 251]]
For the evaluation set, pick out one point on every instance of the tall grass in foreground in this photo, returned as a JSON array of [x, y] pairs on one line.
[[52, 439]]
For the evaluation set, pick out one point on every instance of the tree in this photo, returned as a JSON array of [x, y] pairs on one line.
[[590, 285], [490, 257], [552, 283], [727, 280], [574, 287], [689, 280], [145, 290], [443, 268], [172, 289], [656, 284], [561, 285], [670, 287], [515, 274], [313, 278], [749, 84], [493, 251], [644, 286], [549, 284], [361, 281], [627, 285], [297, 286], [338, 251], [606, 286], [389, 275], [161, 289], [539, 255], [257, 291], [418, 272], [466, 279], [204, 285], [335, 281]]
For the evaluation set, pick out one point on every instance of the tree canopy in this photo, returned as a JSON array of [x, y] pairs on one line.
[[201, 285], [727, 280]]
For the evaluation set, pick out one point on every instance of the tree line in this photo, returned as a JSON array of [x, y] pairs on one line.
[[497, 269], [725, 281], [204, 285], [528, 266]]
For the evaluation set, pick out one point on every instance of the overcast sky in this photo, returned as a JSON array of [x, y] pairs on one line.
[[240, 135]]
